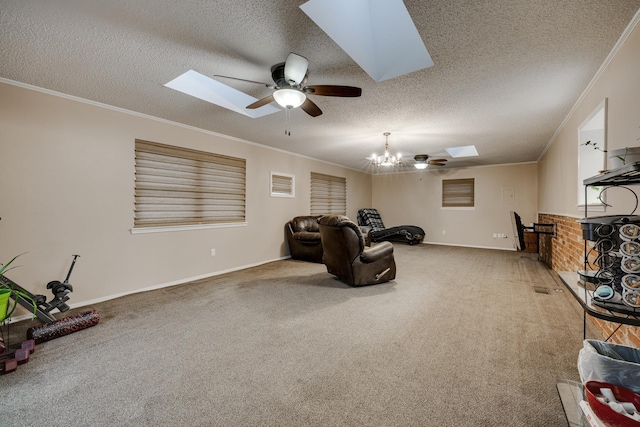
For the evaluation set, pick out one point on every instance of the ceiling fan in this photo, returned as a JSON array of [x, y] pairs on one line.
[[422, 161], [291, 90]]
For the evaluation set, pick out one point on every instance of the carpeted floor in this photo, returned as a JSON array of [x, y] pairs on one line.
[[460, 338]]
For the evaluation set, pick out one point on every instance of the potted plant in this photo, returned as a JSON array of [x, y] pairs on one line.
[[6, 292], [624, 156], [620, 157]]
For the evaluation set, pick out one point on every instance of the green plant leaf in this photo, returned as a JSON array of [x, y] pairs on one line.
[[5, 267], [26, 297], [16, 293], [594, 145]]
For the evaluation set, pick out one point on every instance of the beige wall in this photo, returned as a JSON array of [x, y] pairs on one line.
[[416, 198], [558, 168], [66, 185], [66, 174]]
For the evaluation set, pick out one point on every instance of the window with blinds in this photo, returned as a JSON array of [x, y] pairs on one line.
[[177, 186], [328, 194], [283, 185], [458, 193]]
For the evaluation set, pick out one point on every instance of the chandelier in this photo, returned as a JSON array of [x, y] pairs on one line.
[[386, 159]]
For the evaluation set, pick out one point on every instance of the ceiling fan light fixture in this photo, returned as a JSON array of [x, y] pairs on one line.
[[289, 98], [421, 161]]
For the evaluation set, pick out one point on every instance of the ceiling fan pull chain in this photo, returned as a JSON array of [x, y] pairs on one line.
[[286, 121], [287, 130]]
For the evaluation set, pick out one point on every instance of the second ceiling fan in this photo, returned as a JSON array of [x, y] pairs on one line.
[[291, 89], [423, 160]]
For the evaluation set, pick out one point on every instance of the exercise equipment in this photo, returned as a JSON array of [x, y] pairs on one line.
[[65, 326], [9, 361], [43, 310], [51, 327], [60, 290]]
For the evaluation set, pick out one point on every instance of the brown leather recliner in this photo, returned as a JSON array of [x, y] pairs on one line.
[[303, 237], [347, 258]]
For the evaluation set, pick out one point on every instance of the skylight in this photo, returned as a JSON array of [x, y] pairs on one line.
[[464, 151], [377, 34], [210, 90]]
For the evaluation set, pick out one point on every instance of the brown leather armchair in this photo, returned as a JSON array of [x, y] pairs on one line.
[[303, 237], [347, 258]]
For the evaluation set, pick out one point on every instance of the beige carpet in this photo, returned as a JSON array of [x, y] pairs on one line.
[[460, 338]]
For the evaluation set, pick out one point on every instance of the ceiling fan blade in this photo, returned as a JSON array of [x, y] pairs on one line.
[[332, 90], [245, 80], [295, 68], [260, 102], [438, 160], [309, 107]]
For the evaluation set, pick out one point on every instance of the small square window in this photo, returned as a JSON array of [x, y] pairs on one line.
[[458, 193], [283, 185]]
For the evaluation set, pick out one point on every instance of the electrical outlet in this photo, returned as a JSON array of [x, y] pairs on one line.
[[213, 252], [444, 232], [495, 235]]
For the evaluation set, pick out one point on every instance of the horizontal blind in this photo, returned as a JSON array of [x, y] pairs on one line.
[[458, 193], [179, 186], [328, 194]]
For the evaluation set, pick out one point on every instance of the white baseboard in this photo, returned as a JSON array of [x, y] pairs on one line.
[[469, 246], [155, 287]]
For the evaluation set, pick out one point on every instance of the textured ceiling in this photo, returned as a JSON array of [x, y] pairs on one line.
[[506, 72]]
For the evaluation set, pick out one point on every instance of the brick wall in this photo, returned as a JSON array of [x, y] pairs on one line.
[[567, 247], [564, 252]]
